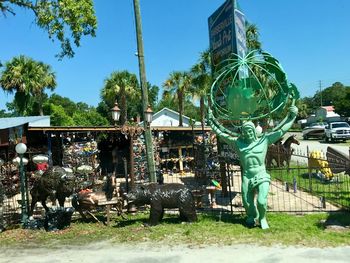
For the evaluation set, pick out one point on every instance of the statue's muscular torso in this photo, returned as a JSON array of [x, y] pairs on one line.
[[252, 156]]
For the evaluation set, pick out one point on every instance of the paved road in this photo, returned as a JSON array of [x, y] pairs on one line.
[[104, 252]]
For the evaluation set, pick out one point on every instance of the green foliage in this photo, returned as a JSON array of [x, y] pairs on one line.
[[61, 19], [336, 95], [202, 80], [123, 86], [4, 114], [306, 107], [27, 78], [192, 111], [152, 94], [59, 117], [168, 101], [65, 112], [89, 118], [103, 109], [69, 106], [252, 37], [179, 84], [330, 95], [342, 105]]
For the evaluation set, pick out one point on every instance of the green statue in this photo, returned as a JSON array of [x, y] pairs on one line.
[[261, 94], [252, 153]]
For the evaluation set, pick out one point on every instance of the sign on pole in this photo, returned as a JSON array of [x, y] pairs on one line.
[[226, 33]]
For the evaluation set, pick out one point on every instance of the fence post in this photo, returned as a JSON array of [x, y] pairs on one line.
[[229, 178], [126, 174], [287, 186], [323, 202], [295, 184], [310, 168]]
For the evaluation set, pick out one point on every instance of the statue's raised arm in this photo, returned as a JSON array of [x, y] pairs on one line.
[[224, 134], [285, 126]]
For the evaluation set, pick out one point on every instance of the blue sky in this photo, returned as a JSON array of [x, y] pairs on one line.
[[310, 38]]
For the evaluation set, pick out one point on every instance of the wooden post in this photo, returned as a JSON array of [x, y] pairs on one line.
[[181, 165], [132, 163]]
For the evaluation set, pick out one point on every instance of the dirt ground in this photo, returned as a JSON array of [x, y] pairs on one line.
[[147, 253]]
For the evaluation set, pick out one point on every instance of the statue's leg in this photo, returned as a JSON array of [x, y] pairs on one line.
[[245, 193], [262, 203], [248, 202], [252, 211]]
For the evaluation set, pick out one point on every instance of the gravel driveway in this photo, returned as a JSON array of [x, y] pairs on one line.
[[105, 252]]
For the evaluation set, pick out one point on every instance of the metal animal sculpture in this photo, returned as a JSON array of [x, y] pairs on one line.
[[85, 201], [54, 183], [163, 196], [281, 152]]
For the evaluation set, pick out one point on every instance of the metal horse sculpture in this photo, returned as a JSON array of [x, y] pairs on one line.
[[281, 152]]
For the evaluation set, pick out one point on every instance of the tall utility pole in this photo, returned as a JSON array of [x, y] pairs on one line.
[[140, 55], [320, 85]]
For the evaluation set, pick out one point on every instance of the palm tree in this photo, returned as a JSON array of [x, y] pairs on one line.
[[168, 101], [28, 79], [122, 86], [252, 37], [179, 83], [201, 81]]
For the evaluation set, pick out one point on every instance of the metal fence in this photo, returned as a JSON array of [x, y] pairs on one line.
[[312, 182]]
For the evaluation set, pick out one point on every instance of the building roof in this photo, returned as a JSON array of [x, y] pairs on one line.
[[328, 108], [33, 121], [169, 117]]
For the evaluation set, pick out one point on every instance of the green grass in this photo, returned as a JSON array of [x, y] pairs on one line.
[[336, 191], [285, 229]]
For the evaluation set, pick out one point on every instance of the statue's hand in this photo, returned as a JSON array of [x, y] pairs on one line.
[[210, 114], [293, 111]]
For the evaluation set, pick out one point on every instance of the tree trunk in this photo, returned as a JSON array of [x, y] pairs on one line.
[[181, 108], [201, 104], [123, 106]]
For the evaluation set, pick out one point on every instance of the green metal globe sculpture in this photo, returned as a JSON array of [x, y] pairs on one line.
[[252, 88]]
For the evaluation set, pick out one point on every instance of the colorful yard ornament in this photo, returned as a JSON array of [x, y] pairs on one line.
[[317, 161], [40, 159], [260, 95], [84, 169]]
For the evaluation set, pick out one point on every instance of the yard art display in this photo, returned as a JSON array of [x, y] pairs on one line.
[[250, 88]]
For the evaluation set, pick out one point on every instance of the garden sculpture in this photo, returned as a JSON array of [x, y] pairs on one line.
[[163, 196], [280, 152], [317, 161], [54, 183], [252, 89], [86, 201]]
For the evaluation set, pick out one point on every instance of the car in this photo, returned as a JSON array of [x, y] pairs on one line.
[[336, 131], [314, 130]]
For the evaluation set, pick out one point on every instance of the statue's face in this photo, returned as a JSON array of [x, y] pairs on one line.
[[248, 134]]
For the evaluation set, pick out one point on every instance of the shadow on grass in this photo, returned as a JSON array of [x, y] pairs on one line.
[[336, 220], [235, 219], [102, 218], [175, 220]]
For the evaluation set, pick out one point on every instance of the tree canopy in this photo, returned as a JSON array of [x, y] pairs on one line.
[[28, 79], [63, 20]]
